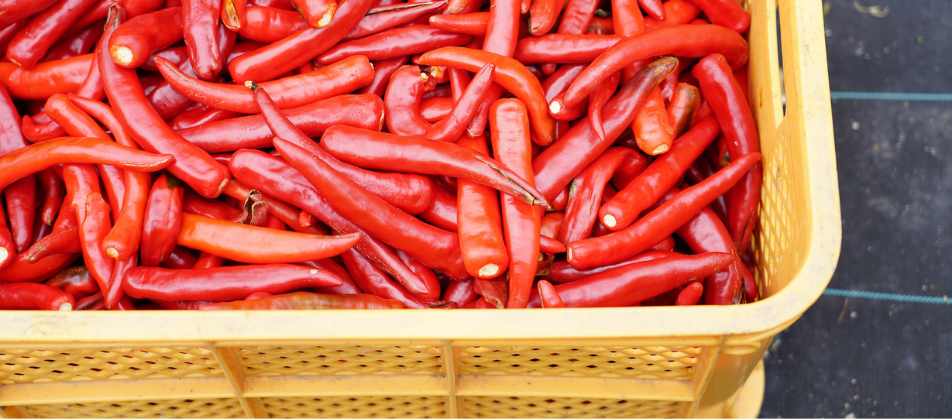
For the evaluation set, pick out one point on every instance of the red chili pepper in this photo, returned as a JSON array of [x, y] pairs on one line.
[[233, 14], [319, 13], [257, 245], [577, 15], [586, 193], [54, 193], [21, 209], [690, 295], [180, 258], [628, 170], [133, 42], [682, 108], [659, 222], [548, 296], [278, 179], [543, 15], [307, 301], [495, 291], [430, 280], [706, 233], [60, 76], [751, 290], [653, 130], [461, 293], [97, 302], [662, 174], [563, 48], [726, 13], [598, 98], [33, 40], [206, 260], [373, 281], [94, 224], [63, 241], [74, 45], [100, 10], [729, 104], [443, 210], [267, 24], [196, 204], [76, 281], [633, 283], [383, 71], [162, 220], [196, 114], [555, 167], [676, 12], [283, 211], [403, 105], [336, 79], [436, 108], [381, 18], [393, 43], [681, 40], [35, 296], [289, 53], [480, 225], [222, 283], [470, 24], [511, 75]]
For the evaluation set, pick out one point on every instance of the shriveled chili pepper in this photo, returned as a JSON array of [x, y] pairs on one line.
[[555, 167], [81, 43], [289, 53], [396, 42], [729, 104], [548, 296], [676, 12], [233, 13], [511, 75], [585, 194], [319, 13], [653, 130], [470, 24], [75, 281], [278, 179], [59, 76], [726, 13], [373, 150], [706, 233], [222, 283], [430, 245], [257, 245], [633, 283], [682, 107], [597, 100], [307, 301], [443, 210], [162, 220], [33, 40], [412, 193], [192, 165], [480, 224], [133, 42], [690, 295], [21, 204], [35, 296], [336, 79], [563, 48], [662, 174], [403, 105], [495, 291], [679, 40], [373, 281], [660, 222]]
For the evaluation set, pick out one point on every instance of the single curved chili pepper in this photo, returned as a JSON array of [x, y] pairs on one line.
[[373, 281], [94, 224], [660, 222], [430, 280], [74, 280], [682, 107], [403, 105], [652, 127], [35, 132], [393, 43], [64, 241], [410, 192], [670, 83], [633, 283], [548, 296], [34, 296], [21, 269], [307, 301], [563, 48], [252, 132], [318, 13], [200, 31], [597, 100], [729, 104], [47, 78], [495, 291], [383, 151], [180, 258], [676, 12], [39, 156], [443, 211], [461, 293], [233, 14], [257, 245], [382, 18], [706, 233], [662, 174], [161, 220], [667, 244], [585, 194], [690, 295], [196, 114], [469, 24], [726, 13], [192, 165], [275, 177], [509, 125], [222, 283], [298, 48], [167, 101], [75, 45], [511, 75], [336, 79], [133, 42], [383, 70], [21, 209], [556, 166], [679, 40], [480, 223], [430, 245], [54, 192], [30, 44]]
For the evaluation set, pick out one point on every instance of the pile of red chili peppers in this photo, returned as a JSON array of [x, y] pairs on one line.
[[376, 154]]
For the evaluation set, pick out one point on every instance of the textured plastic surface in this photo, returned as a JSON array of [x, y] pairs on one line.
[[606, 362]]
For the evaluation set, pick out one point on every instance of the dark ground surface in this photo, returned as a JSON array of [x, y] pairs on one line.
[[884, 355]]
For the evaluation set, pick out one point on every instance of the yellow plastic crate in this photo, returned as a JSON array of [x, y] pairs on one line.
[[605, 362]]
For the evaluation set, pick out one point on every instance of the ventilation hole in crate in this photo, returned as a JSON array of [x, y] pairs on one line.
[[573, 360], [533, 360], [586, 402], [591, 366], [553, 365]]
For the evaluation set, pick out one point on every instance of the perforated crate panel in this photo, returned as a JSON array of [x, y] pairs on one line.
[[342, 360], [566, 407], [221, 408], [61, 365], [356, 407]]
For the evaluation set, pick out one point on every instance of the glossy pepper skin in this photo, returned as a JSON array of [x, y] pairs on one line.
[[306, 301], [706, 233], [586, 194], [162, 220], [75, 281], [222, 283], [35, 296], [480, 223]]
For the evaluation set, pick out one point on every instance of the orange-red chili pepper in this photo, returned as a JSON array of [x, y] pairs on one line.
[[60, 76], [690, 295], [726, 13], [683, 105], [653, 130], [480, 224], [222, 283], [162, 220], [676, 12], [548, 296], [470, 24]]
